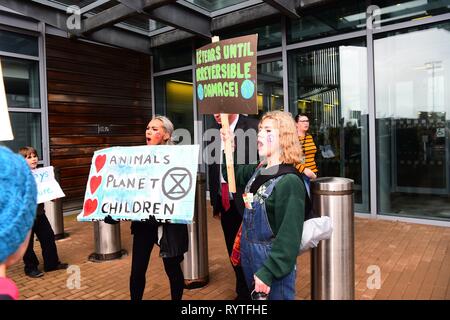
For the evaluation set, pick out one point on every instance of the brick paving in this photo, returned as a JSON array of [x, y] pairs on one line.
[[414, 261]]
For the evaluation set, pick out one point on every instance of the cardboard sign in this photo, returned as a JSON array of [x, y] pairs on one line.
[[47, 186], [226, 76], [134, 183], [5, 125]]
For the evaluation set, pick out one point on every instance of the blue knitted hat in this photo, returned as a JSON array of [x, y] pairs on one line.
[[18, 201]]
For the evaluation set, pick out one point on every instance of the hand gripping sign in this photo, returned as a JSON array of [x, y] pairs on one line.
[[226, 83], [134, 183]]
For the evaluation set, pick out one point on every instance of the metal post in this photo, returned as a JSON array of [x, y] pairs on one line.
[[195, 263], [54, 213], [332, 262], [107, 242]]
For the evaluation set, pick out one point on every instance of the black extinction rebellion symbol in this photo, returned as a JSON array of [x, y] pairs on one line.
[[176, 183]]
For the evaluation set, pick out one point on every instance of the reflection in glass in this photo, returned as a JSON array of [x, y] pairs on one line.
[[335, 18], [269, 35], [270, 86], [21, 79], [216, 4], [412, 76], [329, 84], [408, 10], [172, 56], [18, 43], [139, 21], [26, 127], [174, 99], [79, 3]]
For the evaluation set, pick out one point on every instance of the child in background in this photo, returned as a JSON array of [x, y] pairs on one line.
[[43, 231], [17, 213]]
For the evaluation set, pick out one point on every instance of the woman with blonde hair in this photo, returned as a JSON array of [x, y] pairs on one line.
[[171, 238], [275, 207]]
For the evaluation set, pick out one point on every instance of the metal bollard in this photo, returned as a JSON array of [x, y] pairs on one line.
[[195, 263], [54, 213], [332, 262], [107, 242]]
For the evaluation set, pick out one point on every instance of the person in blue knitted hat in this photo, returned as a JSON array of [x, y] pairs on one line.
[[18, 202]]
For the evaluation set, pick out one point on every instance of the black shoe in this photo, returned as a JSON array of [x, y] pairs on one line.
[[35, 273], [59, 266]]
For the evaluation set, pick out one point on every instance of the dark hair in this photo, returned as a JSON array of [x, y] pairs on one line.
[[300, 115], [26, 151]]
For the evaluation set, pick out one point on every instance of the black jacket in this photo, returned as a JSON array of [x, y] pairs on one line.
[[174, 241], [247, 155]]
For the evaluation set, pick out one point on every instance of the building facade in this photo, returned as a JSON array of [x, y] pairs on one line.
[[373, 77]]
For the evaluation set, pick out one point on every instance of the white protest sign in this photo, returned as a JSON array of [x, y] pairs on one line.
[[48, 188], [5, 125], [134, 183]]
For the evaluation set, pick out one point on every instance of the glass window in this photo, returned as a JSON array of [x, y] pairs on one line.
[[412, 76], [18, 43], [79, 3], [172, 56], [329, 85], [174, 99], [322, 21], [216, 4], [270, 86], [269, 35], [21, 79], [407, 10], [155, 25], [139, 21], [26, 127]]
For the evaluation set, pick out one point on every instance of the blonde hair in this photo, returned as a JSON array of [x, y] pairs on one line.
[[291, 150], [167, 126], [27, 151]]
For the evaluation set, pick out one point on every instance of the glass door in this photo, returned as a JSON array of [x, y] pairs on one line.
[[329, 84], [412, 76]]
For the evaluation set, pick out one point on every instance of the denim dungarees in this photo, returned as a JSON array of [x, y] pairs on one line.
[[256, 242]]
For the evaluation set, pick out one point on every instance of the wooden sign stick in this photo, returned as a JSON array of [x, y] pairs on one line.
[[228, 149], [228, 154]]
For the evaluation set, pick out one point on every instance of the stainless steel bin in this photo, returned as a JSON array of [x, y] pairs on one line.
[[332, 262], [54, 213], [195, 263], [107, 240]]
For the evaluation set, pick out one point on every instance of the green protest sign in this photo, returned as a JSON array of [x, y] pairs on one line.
[[226, 76]]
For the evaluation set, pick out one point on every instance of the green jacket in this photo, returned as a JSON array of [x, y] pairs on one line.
[[286, 212]]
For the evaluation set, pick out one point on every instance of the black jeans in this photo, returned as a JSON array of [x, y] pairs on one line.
[[231, 221], [46, 237], [143, 241]]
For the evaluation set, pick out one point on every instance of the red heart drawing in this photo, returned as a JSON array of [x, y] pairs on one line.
[[89, 206], [100, 162], [94, 183]]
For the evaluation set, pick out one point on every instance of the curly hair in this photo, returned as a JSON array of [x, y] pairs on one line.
[[291, 150]]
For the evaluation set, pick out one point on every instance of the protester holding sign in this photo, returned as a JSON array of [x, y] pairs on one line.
[[43, 231], [229, 208], [274, 209], [173, 241], [17, 213]]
